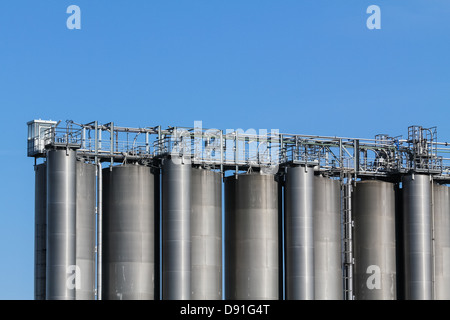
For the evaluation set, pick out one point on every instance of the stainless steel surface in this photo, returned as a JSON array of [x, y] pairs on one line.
[[374, 240], [299, 233], [206, 235], [441, 205], [128, 233], [61, 225], [328, 282], [176, 230], [40, 231], [99, 230], [417, 237], [85, 222], [423, 242], [251, 237], [384, 156]]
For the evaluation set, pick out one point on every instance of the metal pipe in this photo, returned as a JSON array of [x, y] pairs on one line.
[[433, 243], [111, 137], [99, 230]]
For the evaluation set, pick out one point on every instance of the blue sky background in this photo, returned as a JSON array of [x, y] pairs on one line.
[[309, 67]]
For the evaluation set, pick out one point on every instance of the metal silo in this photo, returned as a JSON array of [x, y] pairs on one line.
[[61, 225], [85, 222], [206, 235], [251, 237], [40, 231], [299, 233], [417, 237], [327, 240], [128, 233], [374, 240], [441, 206], [176, 230]]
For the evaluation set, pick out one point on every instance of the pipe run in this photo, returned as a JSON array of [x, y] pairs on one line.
[[99, 230]]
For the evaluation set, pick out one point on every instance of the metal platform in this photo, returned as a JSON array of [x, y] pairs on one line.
[[382, 156]]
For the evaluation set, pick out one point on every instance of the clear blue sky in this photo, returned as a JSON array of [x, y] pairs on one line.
[[309, 67]]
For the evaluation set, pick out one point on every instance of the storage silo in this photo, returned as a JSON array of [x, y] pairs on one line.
[[176, 230], [441, 206], [328, 282], [128, 263], [251, 237], [61, 225], [206, 235], [85, 227], [40, 230], [299, 233], [417, 236], [374, 240]]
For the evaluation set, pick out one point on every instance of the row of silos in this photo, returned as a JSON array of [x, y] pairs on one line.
[[401, 238], [65, 231], [191, 232]]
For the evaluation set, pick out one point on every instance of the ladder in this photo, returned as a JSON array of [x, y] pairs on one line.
[[347, 232]]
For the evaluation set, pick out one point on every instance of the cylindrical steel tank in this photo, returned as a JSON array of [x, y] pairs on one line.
[[85, 221], [374, 240], [206, 235], [40, 230], [128, 233], [251, 237], [61, 225], [299, 233], [417, 236], [176, 230], [441, 206], [328, 282]]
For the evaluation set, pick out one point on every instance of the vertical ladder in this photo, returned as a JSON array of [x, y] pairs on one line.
[[347, 239]]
